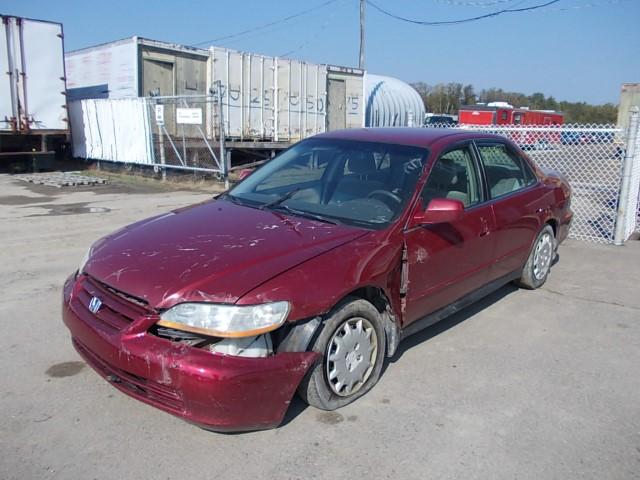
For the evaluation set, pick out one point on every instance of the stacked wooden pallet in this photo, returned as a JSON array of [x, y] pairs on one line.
[[61, 179]]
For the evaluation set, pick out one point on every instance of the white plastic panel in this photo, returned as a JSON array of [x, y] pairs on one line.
[[110, 70], [314, 99], [115, 130], [6, 110], [44, 68], [302, 99], [258, 98], [282, 98], [295, 100], [234, 94], [268, 99]]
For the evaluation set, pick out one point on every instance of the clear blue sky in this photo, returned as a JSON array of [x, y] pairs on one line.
[[570, 50]]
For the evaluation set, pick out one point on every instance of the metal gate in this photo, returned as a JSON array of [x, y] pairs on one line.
[[179, 133]]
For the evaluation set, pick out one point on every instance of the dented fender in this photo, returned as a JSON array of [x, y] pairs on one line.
[[314, 287]]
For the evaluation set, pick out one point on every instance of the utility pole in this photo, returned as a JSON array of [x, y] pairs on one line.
[[361, 61]]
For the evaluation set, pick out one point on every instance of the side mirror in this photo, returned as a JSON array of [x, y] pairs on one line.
[[439, 210], [244, 173]]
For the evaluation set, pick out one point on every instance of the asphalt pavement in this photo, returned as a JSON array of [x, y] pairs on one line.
[[523, 385]]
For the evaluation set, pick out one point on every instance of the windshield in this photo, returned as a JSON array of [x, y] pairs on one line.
[[359, 183]]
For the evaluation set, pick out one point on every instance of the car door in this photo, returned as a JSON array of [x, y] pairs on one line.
[[447, 261], [517, 199]]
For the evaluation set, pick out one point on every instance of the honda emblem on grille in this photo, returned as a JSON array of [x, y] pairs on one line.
[[94, 304]]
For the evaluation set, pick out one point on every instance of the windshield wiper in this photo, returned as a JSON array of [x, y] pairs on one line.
[[302, 213], [237, 200], [279, 200]]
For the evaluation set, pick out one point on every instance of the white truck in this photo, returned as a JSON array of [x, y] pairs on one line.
[[34, 124]]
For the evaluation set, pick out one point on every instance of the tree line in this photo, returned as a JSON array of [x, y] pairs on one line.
[[448, 97]]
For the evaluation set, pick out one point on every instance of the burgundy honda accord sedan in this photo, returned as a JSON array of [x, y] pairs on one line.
[[309, 272]]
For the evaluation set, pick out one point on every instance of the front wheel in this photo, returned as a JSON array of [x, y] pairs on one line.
[[352, 344], [536, 270]]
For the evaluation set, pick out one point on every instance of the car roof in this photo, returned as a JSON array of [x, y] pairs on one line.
[[417, 137]]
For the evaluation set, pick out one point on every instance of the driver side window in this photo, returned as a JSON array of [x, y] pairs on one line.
[[454, 175]]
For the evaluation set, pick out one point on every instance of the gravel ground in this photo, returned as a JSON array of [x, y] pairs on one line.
[[523, 385]]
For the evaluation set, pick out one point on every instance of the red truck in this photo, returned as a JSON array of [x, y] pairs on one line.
[[501, 113]]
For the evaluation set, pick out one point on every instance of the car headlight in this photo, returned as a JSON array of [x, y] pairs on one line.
[[225, 320], [84, 260]]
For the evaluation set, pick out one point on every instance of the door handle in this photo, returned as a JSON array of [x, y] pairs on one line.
[[484, 230]]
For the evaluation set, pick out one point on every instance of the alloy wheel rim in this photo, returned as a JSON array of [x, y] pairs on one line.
[[542, 256], [351, 356]]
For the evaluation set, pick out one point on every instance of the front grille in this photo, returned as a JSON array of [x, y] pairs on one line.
[[143, 388], [118, 310]]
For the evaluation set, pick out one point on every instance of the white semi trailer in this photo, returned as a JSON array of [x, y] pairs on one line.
[[266, 99], [34, 123]]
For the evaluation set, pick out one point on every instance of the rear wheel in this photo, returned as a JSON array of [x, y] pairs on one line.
[[536, 270], [352, 345]]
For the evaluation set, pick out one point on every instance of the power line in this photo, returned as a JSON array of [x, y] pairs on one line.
[[267, 25], [464, 20], [270, 31], [303, 45], [586, 5], [324, 25], [458, 3]]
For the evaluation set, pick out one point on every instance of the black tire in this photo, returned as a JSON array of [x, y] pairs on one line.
[[316, 389], [532, 276]]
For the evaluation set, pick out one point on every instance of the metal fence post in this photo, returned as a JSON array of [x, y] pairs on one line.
[[162, 154], [222, 157], [625, 201]]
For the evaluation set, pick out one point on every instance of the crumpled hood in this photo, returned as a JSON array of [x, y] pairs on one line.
[[215, 251]]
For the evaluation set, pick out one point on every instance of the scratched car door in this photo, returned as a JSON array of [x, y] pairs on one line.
[[448, 260], [517, 198]]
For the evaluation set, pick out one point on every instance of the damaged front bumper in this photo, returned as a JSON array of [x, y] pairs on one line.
[[215, 391]]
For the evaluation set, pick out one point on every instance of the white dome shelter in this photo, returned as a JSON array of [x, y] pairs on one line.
[[391, 103]]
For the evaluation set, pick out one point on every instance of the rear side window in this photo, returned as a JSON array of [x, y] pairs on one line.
[[506, 172]]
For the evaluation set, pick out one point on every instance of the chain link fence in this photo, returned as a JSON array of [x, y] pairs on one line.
[[601, 162], [593, 158], [633, 164]]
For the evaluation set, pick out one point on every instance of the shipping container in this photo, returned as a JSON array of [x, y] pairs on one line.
[[136, 67], [268, 98], [283, 100], [139, 67], [279, 99], [265, 98], [33, 106]]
